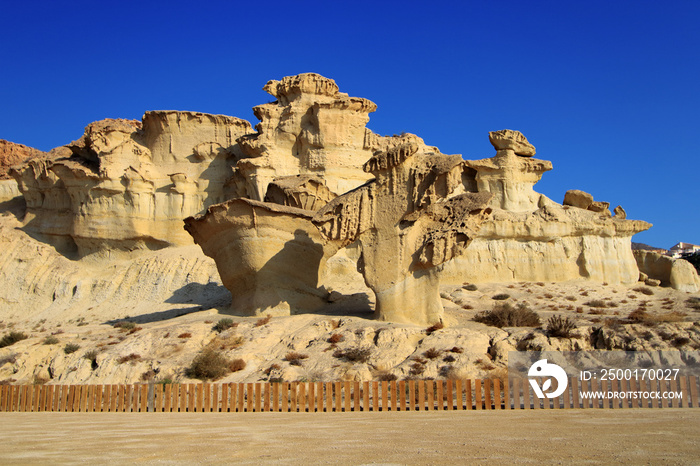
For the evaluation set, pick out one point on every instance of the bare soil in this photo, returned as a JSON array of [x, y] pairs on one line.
[[498, 437]]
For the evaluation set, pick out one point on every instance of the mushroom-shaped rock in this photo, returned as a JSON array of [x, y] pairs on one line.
[[411, 218], [509, 140], [578, 198]]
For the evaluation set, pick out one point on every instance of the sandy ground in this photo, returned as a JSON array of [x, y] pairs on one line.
[[585, 436]]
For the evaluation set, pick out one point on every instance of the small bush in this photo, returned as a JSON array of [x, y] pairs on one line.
[[294, 358], [210, 364], [416, 369], [224, 324], [236, 365], [644, 290], [505, 315], [184, 335], [680, 341], [50, 340], [693, 303], [336, 338], [434, 328], [133, 357], [272, 368], [91, 355], [449, 358], [124, 325], [500, 297], [386, 376], [354, 354], [596, 303], [233, 341], [335, 323], [571, 298], [263, 321], [470, 287], [71, 348], [432, 353], [558, 326], [12, 338], [456, 349]]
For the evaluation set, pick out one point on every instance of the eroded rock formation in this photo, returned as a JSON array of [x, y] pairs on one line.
[[13, 154], [676, 273]]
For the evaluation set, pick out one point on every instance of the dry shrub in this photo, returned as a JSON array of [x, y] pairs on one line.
[[263, 321], [50, 340], [210, 364], [12, 338], [354, 354], [449, 358], [236, 365], [596, 311], [693, 303], [71, 348], [230, 342], [432, 353], [561, 327], [272, 368], [457, 349], [500, 296], [185, 335], [133, 357], [467, 306], [640, 315], [571, 298], [148, 375], [434, 328], [644, 290], [386, 376], [596, 303], [294, 358], [680, 341], [224, 324], [416, 369], [485, 365], [124, 326], [336, 338], [134, 330], [335, 323], [505, 315]]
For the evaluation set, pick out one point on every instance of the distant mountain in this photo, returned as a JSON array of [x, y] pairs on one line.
[[644, 247]]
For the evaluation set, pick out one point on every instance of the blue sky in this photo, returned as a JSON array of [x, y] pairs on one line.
[[608, 91]]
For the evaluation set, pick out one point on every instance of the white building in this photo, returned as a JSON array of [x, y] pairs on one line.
[[683, 248]]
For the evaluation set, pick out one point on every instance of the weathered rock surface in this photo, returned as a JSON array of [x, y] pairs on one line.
[[13, 154], [413, 217], [311, 129], [301, 191], [679, 274], [127, 185], [578, 198]]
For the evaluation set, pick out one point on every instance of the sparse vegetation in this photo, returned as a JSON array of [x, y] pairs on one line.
[[596, 303], [185, 335], [354, 354], [124, 325], [294, 358], [133, 357], [210, 364], [71, 348], [12, 338], [50, 340], [336, 338], [505, 315], [693, 303], [230, 342], [416, 369], [236, 365], [434, 328], [91, 355], [432, 353], [457, 350], [644, 290], [224, 324], [561, 327], [263, 321]]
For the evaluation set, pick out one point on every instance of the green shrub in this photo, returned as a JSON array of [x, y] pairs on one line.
[[12, 338], [505, 315], [125, 325]]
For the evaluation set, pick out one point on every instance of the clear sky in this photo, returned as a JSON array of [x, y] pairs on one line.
[[609, 91]]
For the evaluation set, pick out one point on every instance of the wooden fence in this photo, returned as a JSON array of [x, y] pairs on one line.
[[405, 395]]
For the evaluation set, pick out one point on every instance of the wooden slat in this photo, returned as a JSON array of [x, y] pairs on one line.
[[12, 398], [301, 400], [487, 393], [48, 401], [375, 396], [665, 388], [421, 395], [90, 407], [82, 404], [143, 398], [634, 402], [285, 397], [338, 397], [266, 396], [249, 397], [199, 394], [36, 397], [191, 397], [459, 395], [113, 394], [311, 395], [497, 397], [412, 394], [356, 397], [477, 393], [180, 397], [224, 398], [167, 397], [385, 395], [449, 395], [624, 387], [3, 397], [365, 396], [402, 395], [69, 399], [430, 392], [393, 393], [27, 399], [206, 397], [215, 406], [135, 392], [96, 398], [693, 386], [293, 394], [76, 400], [159, 401], [120, 398], [615, 402], [439, 396], [468, 394], [329, 397], [575, 401], [515, 393], [346, 393], [319, 397], [566, 402], [240, 396], [675, 402], [40, 398], [506, 393], [683, 383]]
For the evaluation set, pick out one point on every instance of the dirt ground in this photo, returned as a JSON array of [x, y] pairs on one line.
[[669, 436]]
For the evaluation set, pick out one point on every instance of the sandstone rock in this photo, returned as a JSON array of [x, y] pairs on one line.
[[620, 213], [269, 256], [510, 178], [643, 277], [679, 274], [312, 129], [577, 198], [301, 191], [127, 185], [652, 282], [597, 206], [408, 220], [13, 154]]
